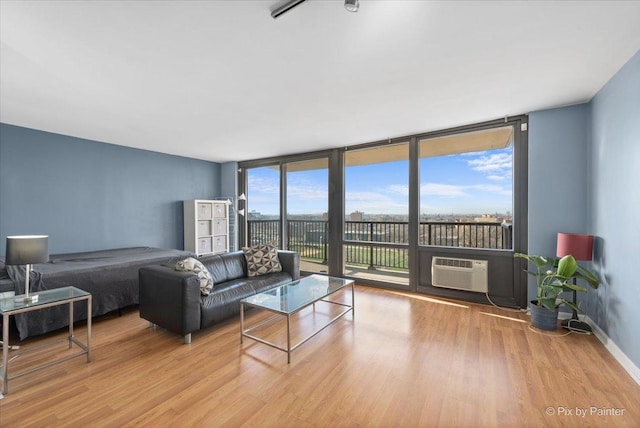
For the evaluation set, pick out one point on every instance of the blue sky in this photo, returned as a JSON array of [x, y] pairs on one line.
[[470, 183]]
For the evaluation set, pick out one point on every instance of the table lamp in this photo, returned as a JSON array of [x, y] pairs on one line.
[[27, 250], [581, 248]]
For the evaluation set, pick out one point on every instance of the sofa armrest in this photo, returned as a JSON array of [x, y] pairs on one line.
[[290, 261], [170, 299]]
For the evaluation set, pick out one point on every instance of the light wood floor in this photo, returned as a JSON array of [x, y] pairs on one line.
[[405, 361]]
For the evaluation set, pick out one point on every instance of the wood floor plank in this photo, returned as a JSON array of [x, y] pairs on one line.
[[405, 361]]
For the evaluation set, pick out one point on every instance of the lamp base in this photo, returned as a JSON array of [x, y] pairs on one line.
[[577, 326], [26, 299]]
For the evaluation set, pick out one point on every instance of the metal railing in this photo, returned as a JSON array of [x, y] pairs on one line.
[[467, 234], [263, 232], [309, 238], [379, 243]]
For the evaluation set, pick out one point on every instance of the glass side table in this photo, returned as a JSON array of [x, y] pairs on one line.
[[46, 299]]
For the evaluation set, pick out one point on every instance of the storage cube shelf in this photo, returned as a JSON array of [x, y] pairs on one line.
[[206, 226]]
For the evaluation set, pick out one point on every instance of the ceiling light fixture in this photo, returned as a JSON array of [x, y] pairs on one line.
[[352, 5], [285, 7]]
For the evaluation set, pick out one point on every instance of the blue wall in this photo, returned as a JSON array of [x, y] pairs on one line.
[[595, 194], [88, 195], [557, 177], [229, 179], [614, 207], [229, 188]]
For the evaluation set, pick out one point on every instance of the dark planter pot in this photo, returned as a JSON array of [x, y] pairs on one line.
[[543, 318]]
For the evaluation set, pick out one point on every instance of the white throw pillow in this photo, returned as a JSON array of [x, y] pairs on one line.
[[194, 265]]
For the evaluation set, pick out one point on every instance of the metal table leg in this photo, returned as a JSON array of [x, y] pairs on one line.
[[5, 354], [288, 338], [241, 321], [89, 316], [70, 324]]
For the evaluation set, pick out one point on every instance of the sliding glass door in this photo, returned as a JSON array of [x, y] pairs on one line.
[[307, 219], [376, 200]]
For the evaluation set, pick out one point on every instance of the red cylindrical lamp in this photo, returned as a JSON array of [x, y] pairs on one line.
[[581, 248]]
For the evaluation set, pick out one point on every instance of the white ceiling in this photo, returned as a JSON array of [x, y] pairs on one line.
[[222, 80]]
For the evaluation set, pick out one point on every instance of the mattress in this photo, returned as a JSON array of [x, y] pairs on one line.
[[111, 276]]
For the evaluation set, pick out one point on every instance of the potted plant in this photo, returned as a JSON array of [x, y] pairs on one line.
[[554, 277]]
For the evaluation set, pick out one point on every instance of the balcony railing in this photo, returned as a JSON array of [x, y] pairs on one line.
[[379, 243]]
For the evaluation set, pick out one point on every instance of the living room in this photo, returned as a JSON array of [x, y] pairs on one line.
[[113, 114]]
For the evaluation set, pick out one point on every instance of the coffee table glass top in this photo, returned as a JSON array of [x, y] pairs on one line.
[[8, 304], [296, 295]]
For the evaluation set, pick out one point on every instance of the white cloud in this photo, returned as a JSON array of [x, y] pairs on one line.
[[495, 162], [471, 153], [400, 189], [453, 191], [492, 188], [440, 189], [373, 202], [307, 193], [264, 184]]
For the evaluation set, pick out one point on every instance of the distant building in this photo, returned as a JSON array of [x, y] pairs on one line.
[[254, 215], [355, 216], [487, 218]]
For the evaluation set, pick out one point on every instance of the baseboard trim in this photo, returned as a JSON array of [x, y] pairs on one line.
[[610, 345]]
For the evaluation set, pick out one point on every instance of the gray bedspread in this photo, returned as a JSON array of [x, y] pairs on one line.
[[111, 276]]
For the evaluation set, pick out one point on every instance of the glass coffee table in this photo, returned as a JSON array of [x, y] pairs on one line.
[[291, 298]]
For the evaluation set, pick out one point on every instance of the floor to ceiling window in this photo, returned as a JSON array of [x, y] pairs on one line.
[[263, 205], [307, 219], [376, 201], [389, 213], [466, 189], [470, 213]]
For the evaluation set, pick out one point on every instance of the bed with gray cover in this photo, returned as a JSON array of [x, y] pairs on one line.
[[111, 276]]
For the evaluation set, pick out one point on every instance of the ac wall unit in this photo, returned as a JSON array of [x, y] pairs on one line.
[[459, 274]]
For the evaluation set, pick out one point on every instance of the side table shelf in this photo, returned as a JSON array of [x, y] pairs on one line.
[[45, 299]]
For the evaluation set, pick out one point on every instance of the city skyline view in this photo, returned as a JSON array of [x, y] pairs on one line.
[[464, 184]]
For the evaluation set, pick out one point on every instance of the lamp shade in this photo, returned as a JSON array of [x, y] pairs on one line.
[[27, 249], [579, 246]]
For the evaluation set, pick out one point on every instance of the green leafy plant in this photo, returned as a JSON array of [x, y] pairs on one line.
[[555, 276]]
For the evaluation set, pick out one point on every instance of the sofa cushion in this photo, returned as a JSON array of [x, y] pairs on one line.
[[225, 267], [204, 277], [261, 260], [235, 265], [215, 266], [224, 300]]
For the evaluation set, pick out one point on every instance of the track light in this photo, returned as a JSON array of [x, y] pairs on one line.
[[286, 7], [352, 5]]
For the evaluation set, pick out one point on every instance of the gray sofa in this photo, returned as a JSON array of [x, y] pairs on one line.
[[172, 299]]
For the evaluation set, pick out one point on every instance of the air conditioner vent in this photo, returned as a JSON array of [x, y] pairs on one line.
[[460, 274], [463, 263]]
